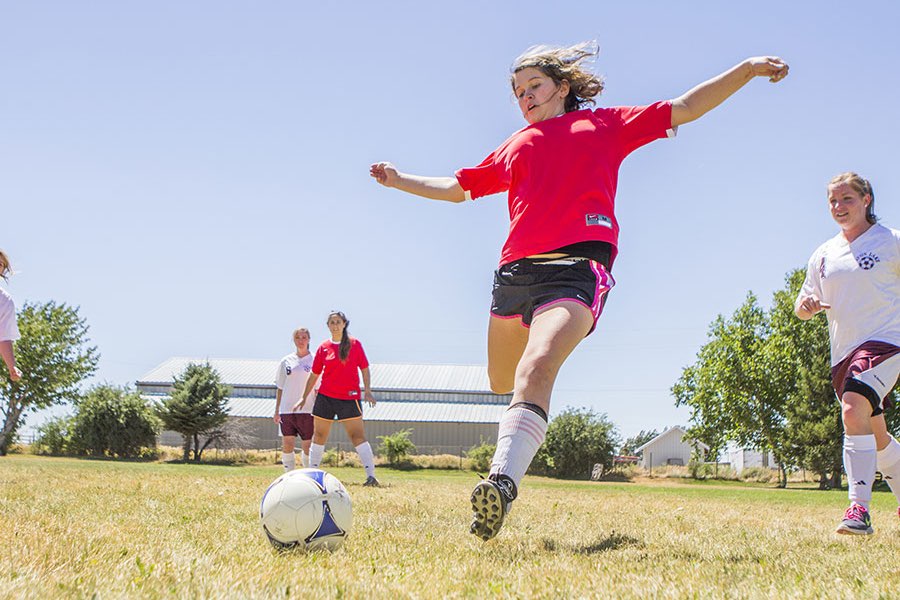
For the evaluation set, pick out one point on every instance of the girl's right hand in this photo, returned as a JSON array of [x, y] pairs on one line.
[[384, 173], [15, 374], [812, 305]]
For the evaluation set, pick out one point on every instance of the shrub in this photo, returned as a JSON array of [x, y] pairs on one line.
[[577, 439], [481, 456], [396, 447], [759, 474], [113, 421], [53, 437]]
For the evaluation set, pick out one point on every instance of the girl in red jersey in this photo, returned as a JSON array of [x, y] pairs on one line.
[[560, 172], [339, 361]]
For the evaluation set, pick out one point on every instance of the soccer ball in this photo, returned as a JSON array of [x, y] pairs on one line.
[[306, 508]]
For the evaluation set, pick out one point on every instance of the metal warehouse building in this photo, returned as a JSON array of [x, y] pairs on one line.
[[449, 408]]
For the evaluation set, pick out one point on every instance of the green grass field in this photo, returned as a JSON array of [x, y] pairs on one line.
[[81, 529]]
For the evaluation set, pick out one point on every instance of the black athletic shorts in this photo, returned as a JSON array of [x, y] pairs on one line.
[[529, 285], [334, 409]]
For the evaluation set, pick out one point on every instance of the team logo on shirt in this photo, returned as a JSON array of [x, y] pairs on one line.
[[307, 368], [867, 261]]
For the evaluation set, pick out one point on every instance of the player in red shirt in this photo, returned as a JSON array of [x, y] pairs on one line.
[[339, 361], [560, 173]]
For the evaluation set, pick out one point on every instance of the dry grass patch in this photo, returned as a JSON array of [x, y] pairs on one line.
[[78, 528]]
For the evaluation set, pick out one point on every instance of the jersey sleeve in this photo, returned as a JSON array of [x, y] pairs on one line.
[[483, 180], [280, 376], [812, 285], [319, 361], [362, 360], [640, 125], [9, 329]]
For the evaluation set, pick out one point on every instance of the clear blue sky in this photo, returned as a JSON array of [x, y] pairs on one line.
[[194, 175]]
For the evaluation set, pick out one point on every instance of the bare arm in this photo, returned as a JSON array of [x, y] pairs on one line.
[[367, 386], [9, 357], [695, 103], [807, 307], [277, 416], [310, 384], [436, 188]]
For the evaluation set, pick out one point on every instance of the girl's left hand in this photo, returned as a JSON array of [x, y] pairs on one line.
[[370, 399], [769, 66]]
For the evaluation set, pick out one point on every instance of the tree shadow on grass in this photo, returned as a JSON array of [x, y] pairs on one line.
[[613, 541]]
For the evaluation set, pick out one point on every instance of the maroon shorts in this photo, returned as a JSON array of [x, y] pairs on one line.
[[870, 370], [297, 424]]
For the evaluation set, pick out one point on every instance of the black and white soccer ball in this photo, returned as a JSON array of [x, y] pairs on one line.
[[306, 508]]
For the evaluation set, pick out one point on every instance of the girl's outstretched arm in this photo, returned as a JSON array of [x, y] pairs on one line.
[[703, 98], [436, 188]]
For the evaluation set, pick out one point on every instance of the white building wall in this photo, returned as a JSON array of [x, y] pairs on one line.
[[666, 448]]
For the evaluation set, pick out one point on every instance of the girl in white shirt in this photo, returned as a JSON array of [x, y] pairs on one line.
[[855, 278], [9, 329]]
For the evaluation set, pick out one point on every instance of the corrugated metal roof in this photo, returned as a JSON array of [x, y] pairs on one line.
[[249, 372], [385, 410]]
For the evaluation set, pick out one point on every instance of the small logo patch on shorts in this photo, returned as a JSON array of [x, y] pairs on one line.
[[597, 219]]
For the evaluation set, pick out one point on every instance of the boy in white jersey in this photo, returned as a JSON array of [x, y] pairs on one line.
[[855, 278], [290, 381]]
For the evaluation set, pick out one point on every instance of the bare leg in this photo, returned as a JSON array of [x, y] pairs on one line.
[[506, 342], [357, 434]]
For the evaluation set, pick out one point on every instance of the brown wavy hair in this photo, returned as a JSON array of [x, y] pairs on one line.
[[5, 269], [862, 187], [564, 64]]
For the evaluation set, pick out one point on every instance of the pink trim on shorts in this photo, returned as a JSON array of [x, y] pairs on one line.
[[507, 317]]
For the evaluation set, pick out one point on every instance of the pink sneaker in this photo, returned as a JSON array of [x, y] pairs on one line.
[[856, 521]]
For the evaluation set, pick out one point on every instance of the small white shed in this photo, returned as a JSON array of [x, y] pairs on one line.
[[668, 448], [745, 458]]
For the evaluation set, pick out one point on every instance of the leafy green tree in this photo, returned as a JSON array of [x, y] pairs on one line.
[[799, 357], [54, 357], [731, 390], [397, 446], [635, 442], [113, 421], [196, 408], [577, 439]]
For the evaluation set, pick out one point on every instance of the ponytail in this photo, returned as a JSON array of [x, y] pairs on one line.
[[345, 344]]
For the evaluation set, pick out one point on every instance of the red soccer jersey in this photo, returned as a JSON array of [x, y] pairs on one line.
[[340, 380], [562, 173]]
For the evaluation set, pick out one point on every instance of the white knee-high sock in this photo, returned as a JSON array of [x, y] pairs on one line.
[[367, 457], [315, 455], [860, 458], [288, 460], [304, 459], [889, 465], [522, 432]]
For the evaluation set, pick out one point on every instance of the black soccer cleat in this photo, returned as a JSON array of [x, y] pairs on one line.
[[491, 501]]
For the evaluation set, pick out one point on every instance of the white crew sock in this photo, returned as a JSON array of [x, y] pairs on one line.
[[304, 459], [889, 465], [522, 432], [367, 457], [315, 455], [288, 460], [860, 458]]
